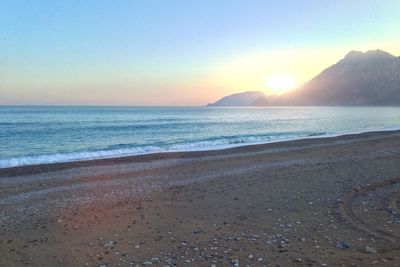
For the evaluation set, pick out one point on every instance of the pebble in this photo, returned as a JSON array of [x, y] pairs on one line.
[[146, 263], [342, 245], [370, 250], [235, 263], [109, 244], [195, 231]]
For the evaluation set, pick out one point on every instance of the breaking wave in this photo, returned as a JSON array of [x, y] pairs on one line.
[[121, 150]]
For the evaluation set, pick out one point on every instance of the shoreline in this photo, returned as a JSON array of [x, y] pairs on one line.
[[24, 169]]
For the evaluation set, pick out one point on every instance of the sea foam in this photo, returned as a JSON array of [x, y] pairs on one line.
[[211, 144]]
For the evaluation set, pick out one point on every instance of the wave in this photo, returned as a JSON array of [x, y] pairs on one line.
[[121, 150], [74, 156]]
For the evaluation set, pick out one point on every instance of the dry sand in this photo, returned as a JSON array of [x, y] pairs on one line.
[[313, 202]]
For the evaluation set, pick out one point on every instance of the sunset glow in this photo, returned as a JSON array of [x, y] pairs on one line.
[[169, 53], [280, 83]]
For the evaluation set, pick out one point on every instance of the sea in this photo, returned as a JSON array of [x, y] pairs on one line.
[[31, 135]]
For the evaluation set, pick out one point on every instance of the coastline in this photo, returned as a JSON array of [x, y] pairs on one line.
[[191, 153], [315, 201], [71, 157]]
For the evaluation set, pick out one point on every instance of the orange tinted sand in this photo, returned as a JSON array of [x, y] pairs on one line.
[[313, 202]]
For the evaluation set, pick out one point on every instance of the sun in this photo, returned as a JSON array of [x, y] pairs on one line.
[[280, 83]]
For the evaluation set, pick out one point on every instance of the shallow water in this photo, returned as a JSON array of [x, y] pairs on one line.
[[44, 134]]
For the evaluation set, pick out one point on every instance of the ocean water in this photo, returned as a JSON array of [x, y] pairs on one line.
[[45, 134]]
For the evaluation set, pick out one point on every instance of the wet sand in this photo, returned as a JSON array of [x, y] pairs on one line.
[[312, 202]]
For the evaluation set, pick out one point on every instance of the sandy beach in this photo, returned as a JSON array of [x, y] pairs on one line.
[[312, 202]]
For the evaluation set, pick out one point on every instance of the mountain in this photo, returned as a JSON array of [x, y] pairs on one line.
[[251, 98], [370, 78]]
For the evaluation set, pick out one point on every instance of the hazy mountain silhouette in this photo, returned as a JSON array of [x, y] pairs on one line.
[[251, 98], [370, 78]]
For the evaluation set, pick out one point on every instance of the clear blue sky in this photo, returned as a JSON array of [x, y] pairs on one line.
[[167, 52]]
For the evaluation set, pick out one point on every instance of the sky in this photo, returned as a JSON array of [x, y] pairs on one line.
[[150, 52]]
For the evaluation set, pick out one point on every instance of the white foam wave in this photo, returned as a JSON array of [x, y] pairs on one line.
[[111, 153], [203, 145], [75, 156]]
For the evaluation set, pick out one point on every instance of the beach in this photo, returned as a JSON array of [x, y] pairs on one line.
[[310, 202]]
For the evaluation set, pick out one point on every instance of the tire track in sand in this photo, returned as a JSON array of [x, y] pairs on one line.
[[346, 210]]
